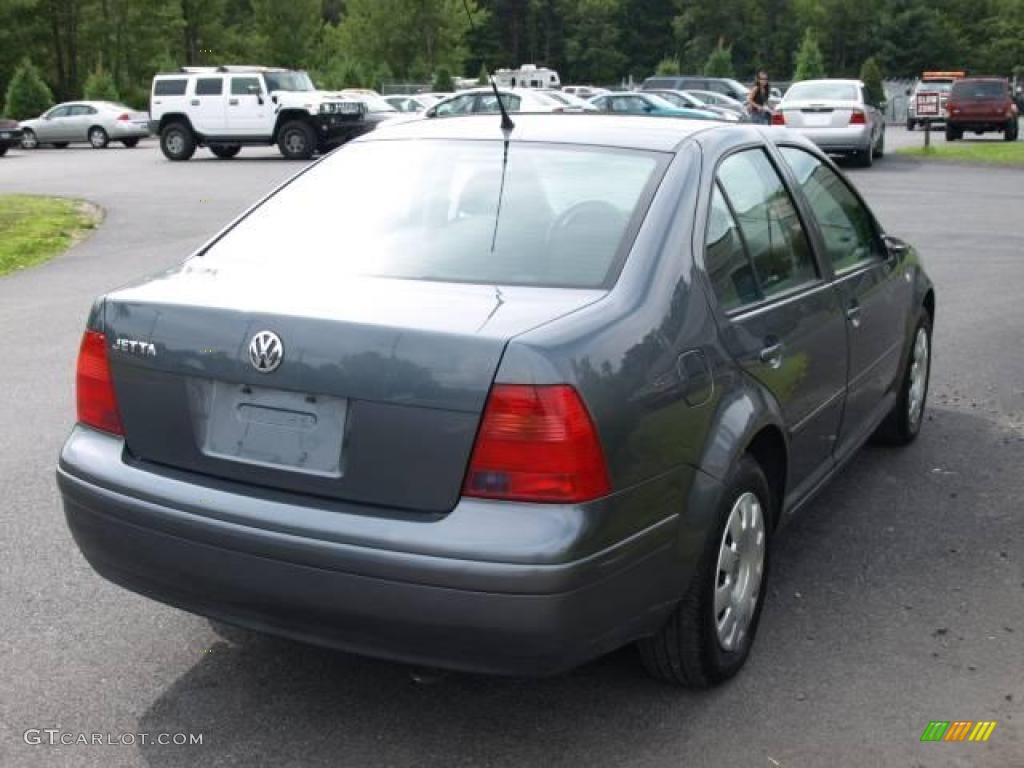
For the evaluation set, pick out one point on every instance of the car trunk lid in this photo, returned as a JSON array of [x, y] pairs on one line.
[[817, 114], [377, 396]]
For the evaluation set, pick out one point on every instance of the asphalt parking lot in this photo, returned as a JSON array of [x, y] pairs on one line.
[[897, 598]]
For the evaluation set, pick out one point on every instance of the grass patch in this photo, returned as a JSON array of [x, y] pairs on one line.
[[995, 152], [34, 229]]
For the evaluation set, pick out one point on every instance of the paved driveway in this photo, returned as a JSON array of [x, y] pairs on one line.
[[896, 599]]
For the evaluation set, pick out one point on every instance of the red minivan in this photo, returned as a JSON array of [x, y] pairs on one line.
[[981, 104]]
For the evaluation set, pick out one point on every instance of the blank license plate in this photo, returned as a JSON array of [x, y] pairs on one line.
[[269, 427], [817, 119]]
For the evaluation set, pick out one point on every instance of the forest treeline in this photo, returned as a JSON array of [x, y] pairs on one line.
[[121, 43]]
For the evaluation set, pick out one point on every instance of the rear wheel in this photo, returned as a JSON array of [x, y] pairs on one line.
[[226, 151], [177, 142], [98, 137], [1012, 129], [952, 134], [707, 638], [903, 423], [130, 143], [3, 149], [297, 141], [29, 140], [866, 157]]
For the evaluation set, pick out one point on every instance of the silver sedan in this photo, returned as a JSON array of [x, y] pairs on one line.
[[95, 122], [837, 115]]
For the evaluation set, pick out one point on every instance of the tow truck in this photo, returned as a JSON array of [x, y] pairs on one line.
[[931, 82]]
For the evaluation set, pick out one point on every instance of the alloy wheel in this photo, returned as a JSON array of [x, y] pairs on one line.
[[918, 377], [741, 558]]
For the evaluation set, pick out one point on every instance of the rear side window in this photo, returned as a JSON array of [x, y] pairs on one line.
[[174, 87], [846, 225], [726, 259], [209, 86], [488, 103], [429, 210], [776, 244]]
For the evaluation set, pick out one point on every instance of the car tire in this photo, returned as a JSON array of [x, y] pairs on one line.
[[866, 157], [130, 143], [226, 151], [1012, 130], [880, 146], [3, 149], [689, 649], [951, 133], [177, 141], [911, 125], [296, 140], [903, 423], [29, 140], [98, 138]]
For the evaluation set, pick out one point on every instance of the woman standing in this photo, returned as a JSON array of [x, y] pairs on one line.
[[757, 100]]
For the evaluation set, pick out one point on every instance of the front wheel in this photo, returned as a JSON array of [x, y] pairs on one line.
[[903, 423], [911, 125], [1012, 130], [98, 138], [707, 638], [29, 140], [297, 140]]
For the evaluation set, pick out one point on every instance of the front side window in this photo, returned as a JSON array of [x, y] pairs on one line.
[[81, 109], [779, 250], [245, 86], [460, 105], [846, 225], [429, 210], [58, 112], [209, 86]]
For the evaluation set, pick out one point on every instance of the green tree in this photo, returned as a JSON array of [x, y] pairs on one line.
[[668, 66], [287, 27], [100, 86], [871, 76], [443, 82], [593, 45], [27, 94], [809, 63], [719, 63], [484, 77]]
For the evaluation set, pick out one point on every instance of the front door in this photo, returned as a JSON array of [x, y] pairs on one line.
[[871, 286], [783, 321], [207, 106], [250, 112], [55, 126]]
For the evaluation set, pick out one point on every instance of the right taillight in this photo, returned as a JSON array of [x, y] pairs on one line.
[[537, 443], [97, 402], [778, 118], [857, 118]]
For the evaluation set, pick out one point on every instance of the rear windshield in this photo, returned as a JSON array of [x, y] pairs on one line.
[[979, 89], [429, 210], [822, 91]]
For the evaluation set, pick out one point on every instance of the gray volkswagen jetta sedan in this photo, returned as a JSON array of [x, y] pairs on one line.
[[500, 400]]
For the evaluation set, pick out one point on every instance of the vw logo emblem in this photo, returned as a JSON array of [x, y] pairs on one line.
[[266, 351]]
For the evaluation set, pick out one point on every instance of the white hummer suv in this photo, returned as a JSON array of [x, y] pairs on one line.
[[224, 108]]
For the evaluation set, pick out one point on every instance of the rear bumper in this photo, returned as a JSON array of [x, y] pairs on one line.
[[120, 131], [563, 592], [850, 139], [995, 123]]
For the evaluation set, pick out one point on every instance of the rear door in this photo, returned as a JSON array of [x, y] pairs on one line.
[[783, 322], [81, 119], [207, 106], [874, 294]]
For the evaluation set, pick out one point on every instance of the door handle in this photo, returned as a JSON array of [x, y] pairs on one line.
[[772, 355], [853, 313], [233, 102], [195, 102]]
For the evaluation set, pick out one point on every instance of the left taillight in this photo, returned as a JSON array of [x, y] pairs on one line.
[[857, 117], [124, 118], [778, 118], [94, 388], [539, 444]]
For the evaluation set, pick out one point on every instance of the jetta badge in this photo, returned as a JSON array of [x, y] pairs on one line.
[[266, 351]]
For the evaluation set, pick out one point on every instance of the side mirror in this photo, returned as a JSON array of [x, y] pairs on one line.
[[895, 249], [274, 98]]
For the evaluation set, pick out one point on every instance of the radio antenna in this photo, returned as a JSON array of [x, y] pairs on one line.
[[506, 121]]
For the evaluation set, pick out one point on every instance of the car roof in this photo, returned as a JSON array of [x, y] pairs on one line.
[[844, 80], [659, 134]]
